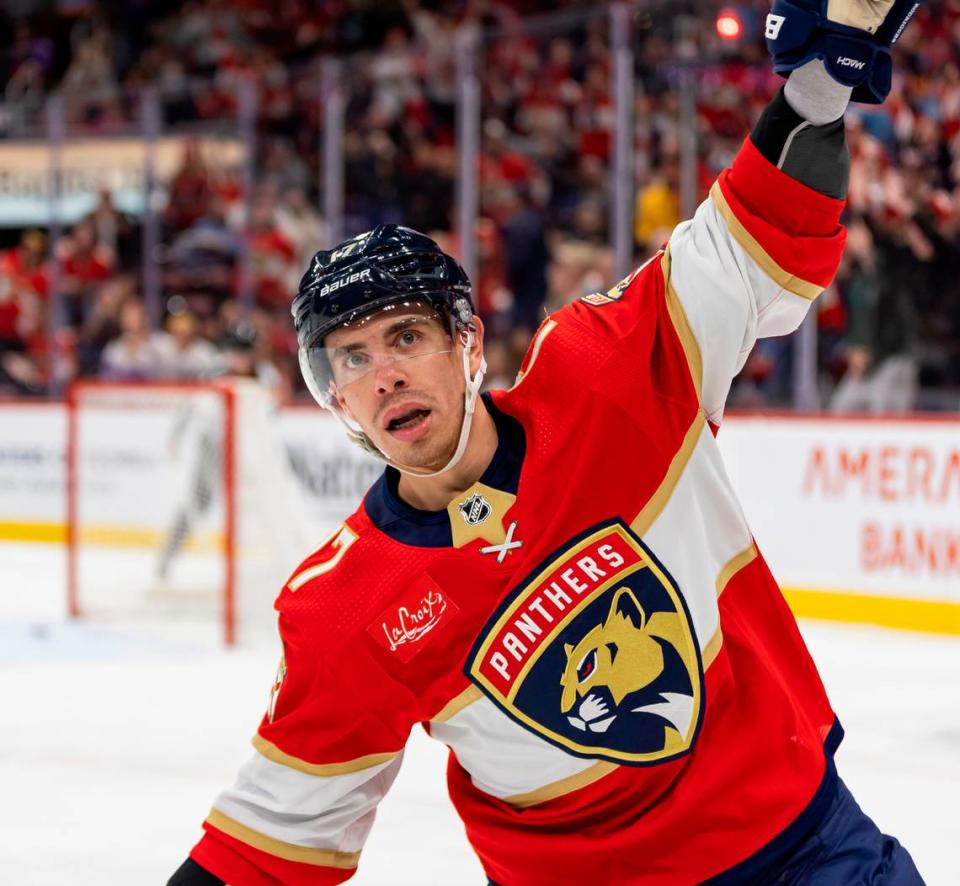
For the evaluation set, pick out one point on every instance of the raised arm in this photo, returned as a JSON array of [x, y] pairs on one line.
[[767, 241]]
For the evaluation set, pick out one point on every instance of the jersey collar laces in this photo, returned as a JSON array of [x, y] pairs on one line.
[[356, 434]]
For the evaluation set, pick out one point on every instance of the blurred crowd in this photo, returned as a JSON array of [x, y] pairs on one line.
[[889, 328]]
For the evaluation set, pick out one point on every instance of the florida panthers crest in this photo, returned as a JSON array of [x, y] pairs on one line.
[[595, 652]]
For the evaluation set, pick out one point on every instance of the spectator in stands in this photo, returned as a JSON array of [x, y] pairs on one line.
[[27, 262], [657, 210], [203, 257], [526, 254], [91, 80], [189, 191], [101, 325], [547, 137], [273, 258], [113, 229], [137, 354], [84, 263], [184, 355], [301, 224], [21, 329]]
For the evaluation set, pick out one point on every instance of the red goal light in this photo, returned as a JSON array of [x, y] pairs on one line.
[[729, 25]]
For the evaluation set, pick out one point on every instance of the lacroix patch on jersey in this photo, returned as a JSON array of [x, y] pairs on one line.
[[595, 652], [410, 621]]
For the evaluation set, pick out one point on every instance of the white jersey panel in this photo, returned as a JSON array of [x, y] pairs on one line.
[[318, 812], [503, 758], [700, 530], [729, 300]]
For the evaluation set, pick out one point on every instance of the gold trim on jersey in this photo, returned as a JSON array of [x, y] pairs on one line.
[[784, 279], [734, 565], [729, 570], [330, 858], [457, 704], [688, 341], [564, 786], [712, 649], [658, 501], [545, 330], [340, 540], [324, 770]]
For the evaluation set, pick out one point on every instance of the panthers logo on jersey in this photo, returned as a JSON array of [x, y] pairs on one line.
[[596, 653]]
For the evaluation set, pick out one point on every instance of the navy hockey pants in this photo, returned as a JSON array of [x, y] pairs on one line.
[[847, 848]]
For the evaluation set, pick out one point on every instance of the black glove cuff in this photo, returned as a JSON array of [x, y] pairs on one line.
[[191, 874], [817, 156]]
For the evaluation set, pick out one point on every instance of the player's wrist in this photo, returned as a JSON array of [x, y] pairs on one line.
[[815, 155], [815, 95]]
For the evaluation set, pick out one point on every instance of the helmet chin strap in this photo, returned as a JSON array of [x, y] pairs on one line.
[[470, 395]]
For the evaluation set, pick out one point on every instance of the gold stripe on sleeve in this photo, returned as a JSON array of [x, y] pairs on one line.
[[729, 570], [712, 649], [564, 786], [289, 851], [538, 341], [658, 501], [782, 278], [457, 704], [734, 565], [274, 754], [688, 341]]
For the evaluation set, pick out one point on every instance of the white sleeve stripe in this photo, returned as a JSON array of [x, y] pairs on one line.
[[333, 814], [728, 298], [782, 278], [505, 759]]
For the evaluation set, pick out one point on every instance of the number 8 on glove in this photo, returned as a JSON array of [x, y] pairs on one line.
[[851, 37]]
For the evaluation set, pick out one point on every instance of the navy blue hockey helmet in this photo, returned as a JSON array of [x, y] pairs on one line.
[[368, 272], [388, 266]]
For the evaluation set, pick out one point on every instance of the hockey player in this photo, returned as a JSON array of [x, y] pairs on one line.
[[557, 580]]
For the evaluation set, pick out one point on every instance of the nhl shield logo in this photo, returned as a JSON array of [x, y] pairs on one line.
[[596, 653], [475, 510]]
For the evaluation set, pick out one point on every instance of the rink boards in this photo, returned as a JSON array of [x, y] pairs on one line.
[[859, 519]]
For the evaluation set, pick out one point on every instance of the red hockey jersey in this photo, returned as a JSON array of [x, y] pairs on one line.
[[590, 628]]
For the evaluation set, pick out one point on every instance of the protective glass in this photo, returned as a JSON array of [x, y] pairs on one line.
[[396, 334]]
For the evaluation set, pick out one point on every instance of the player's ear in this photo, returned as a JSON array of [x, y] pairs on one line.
[[342, 405], [476, 352]]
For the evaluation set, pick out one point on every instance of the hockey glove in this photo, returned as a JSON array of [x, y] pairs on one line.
[[191, 874], [851, 37]]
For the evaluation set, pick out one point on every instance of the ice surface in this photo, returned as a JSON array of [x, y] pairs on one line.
[[116, 737]]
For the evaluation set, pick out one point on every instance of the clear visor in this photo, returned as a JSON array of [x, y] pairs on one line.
[[354, 351]]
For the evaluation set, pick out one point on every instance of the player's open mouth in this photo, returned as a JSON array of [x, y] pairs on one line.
[[409, 425], [408, 419]]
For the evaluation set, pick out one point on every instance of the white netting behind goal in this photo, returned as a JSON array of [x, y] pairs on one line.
[[181, 503]]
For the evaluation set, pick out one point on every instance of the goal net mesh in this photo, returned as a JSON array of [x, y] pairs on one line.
[[181, 504]]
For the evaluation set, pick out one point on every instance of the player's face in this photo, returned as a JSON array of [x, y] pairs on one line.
[[399, 375]]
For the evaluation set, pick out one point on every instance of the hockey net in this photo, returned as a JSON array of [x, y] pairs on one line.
[[180, 504]]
